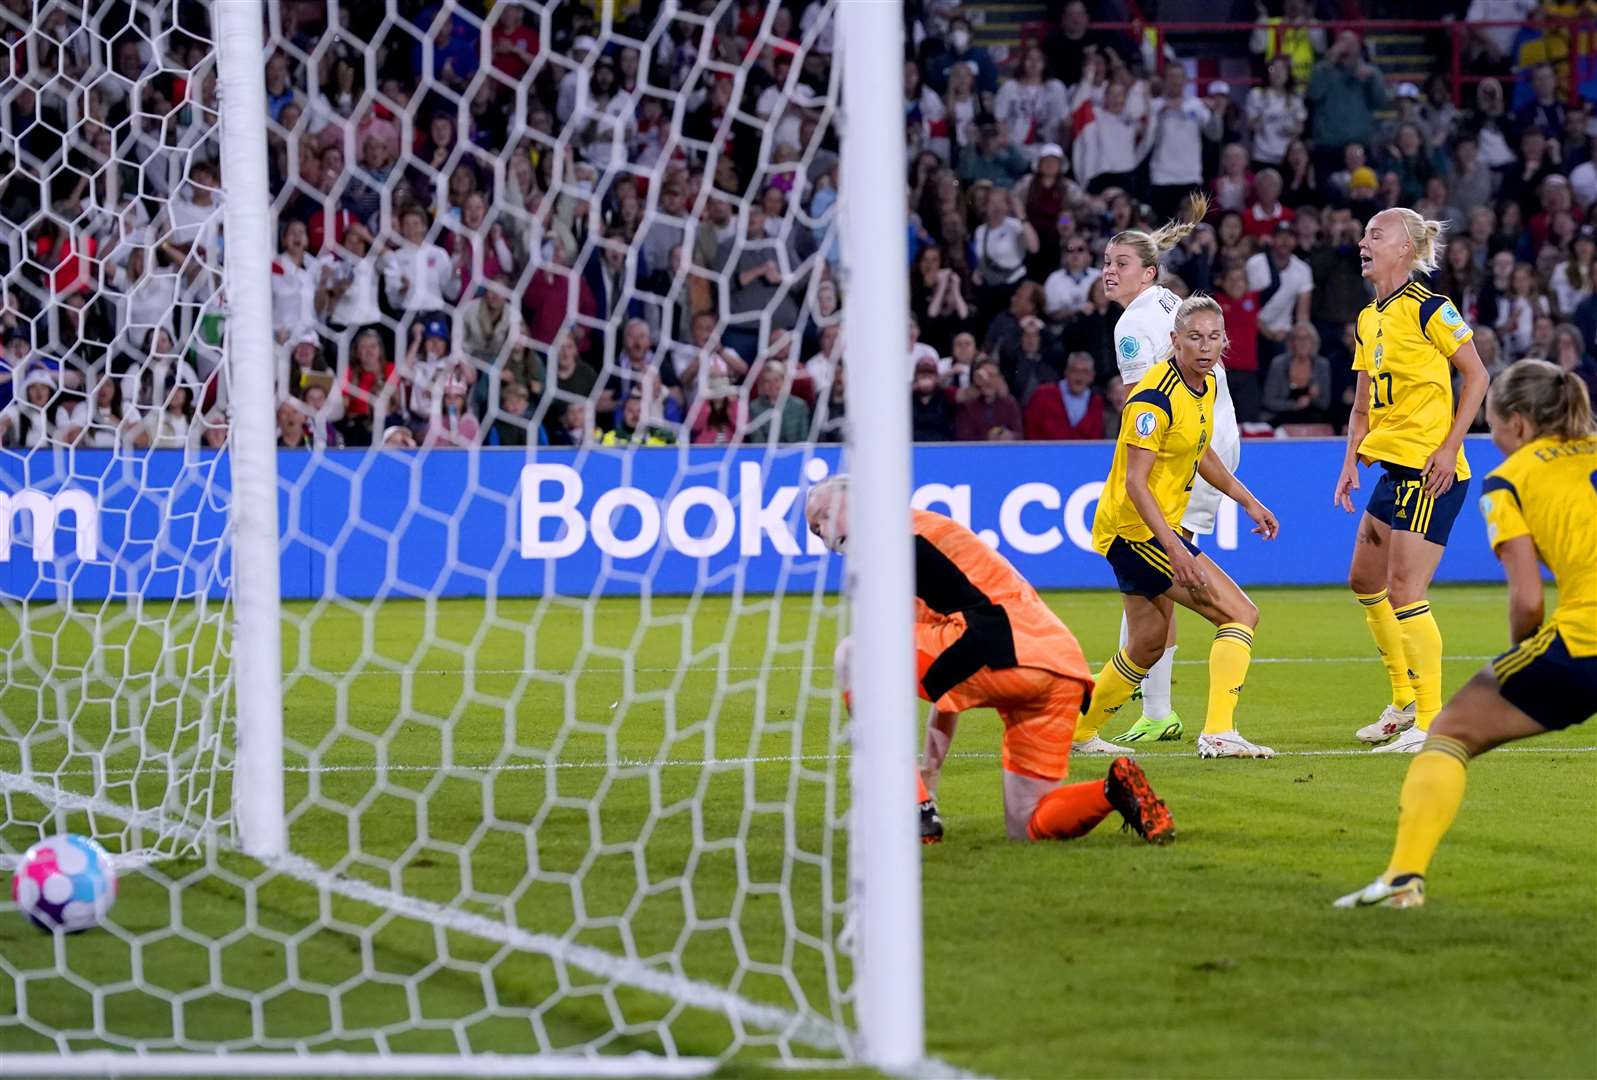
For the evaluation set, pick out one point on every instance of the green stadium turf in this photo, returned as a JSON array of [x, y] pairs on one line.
[[1216, 956]]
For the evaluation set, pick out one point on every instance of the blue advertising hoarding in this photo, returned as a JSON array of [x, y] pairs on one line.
[[95, 524]]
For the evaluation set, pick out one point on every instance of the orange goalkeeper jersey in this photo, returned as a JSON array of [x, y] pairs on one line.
[[986, 614]]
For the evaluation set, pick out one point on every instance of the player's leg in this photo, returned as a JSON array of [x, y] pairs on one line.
[[1477, 718], [1148, 621], [931, 822], [1040, 711], [1367, 576], [1159, 721], [1420, 530], [1235, 618]]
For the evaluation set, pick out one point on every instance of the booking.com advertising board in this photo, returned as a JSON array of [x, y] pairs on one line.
[[93, 524]]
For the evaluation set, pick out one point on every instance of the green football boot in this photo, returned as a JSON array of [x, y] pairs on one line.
[[1146, 730]]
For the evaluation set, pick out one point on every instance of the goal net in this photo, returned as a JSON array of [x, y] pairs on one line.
[[550, 355]]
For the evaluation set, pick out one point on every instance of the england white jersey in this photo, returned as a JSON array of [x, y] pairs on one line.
[[1142, 333], [1142, 339]]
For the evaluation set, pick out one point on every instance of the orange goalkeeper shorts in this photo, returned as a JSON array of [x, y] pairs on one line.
[[1039, 710]]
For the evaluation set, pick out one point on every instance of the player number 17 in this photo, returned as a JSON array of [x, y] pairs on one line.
[[1375, 382]]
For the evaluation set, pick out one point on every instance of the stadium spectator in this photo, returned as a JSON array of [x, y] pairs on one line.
[[1344, 95], [1069, 408], [1111, 143], [985, 410], [548, 299], [1071, 44], [1285, 286], [1494, 45], [171, 423], [1037, 359], [937, 298], [1044, 196], [1266, 214], [831, 410], [102, 421], [451, 423], [347, 288], [1031, 106], [1003, 333], [418, 277], [959, 52], [1489, 124], [296, 276], [1067, 292], [1544, 111], [1297, 389], [1232, 189], [514, 423], [1239, 306], [1294, 39], [293, 426], [1571, 354], [26, 422], [992, 157], [1575, 278], [1275, 112], [1003, 241], [370, 388], [775, 413], [931, 410], [717, 415], [955, 368], [1181, 124]]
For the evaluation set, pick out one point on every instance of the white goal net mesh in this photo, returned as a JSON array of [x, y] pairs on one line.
[[554, 313]]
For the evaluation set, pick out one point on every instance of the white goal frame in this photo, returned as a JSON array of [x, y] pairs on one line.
[[885, 850]]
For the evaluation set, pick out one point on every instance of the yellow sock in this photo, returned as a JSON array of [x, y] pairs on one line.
[[1116, 683], [1432, 792], [1388, 635], [1422, 647], [1229, 658]]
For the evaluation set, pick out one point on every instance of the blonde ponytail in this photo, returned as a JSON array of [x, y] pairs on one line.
[[1424, 236], [1555, 401], [1149, 246]]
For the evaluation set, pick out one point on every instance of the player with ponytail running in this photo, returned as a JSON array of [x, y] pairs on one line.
[[1142, 340], [1409, 341], [1540, 506]]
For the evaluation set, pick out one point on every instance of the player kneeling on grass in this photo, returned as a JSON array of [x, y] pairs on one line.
[[1539, 503], [1166, 444], [985, 639]]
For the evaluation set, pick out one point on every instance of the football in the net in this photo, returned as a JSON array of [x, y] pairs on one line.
[[66, 883]]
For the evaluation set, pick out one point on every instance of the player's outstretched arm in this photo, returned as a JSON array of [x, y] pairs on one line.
[[1526, 598], [1217, 476], [1358, 426]]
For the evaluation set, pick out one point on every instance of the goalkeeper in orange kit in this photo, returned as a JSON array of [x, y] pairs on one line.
[[985, 639]]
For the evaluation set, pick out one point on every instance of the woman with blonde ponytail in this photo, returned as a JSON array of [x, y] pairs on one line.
[[1540, 507], [1408, 341], [1142, 343]]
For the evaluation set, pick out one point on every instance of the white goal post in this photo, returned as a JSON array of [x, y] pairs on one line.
[[392, 789]]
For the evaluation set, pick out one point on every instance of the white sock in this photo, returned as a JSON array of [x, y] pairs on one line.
[[1156, 687]]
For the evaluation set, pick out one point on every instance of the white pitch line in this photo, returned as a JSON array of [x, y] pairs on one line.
[[739, 762], [740, 669]]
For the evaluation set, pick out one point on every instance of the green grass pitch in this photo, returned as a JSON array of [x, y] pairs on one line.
[[1216, 956]]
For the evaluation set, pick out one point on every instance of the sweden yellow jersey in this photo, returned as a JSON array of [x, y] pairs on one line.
[[1165, 415], [1404, 344], [1547, 490]]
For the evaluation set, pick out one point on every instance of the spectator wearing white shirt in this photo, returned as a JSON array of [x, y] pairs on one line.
[[194, 219], [1002, 243], [918, 349], [1285, 285], [296, 276], [1180, 126], [159, 366], [417, 275], [1031, 105], [1572, 280], [143, 291], [171, 426], [427, 363], [1275, 113], [350, 285], [1111, 145], [1494, 45], [1068, 290], [104, 421], [25, 422]]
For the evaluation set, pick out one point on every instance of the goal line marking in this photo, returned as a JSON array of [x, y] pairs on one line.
[[729, 762]]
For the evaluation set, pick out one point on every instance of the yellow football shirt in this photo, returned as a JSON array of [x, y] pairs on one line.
[[1547, 490], [1404, 344], [1165, 415]]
